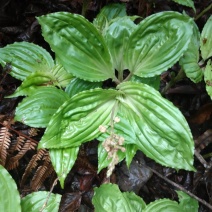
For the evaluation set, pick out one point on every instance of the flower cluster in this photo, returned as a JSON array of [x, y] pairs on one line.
[[112, 144]]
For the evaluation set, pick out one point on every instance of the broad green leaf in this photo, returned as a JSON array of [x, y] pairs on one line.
[[163, 205], [161, 130], [108, 197], [37, 109], [10, 200], [78, 45], [77, 85], [208, 78], [189, 61], [187, 203], [63, 161], [79, 118], [158, 43], [25, 58], [55, 77], [35, 201], [151, 81], [116, 37], [107, 13], [206, 40], [188, 3]]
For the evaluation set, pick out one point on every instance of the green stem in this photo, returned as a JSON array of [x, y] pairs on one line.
[[116, 80], [203, 12], [84, 7], [120, 76], [128, 77], [180, 75]]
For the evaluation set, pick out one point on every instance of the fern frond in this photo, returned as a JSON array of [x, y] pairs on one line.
[[5, 140], [41, 174], [33, 163]]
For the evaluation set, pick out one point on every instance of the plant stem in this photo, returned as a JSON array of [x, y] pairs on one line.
[[85, 7], [116, 80], [128, 77], [180, 75], [203, 12]]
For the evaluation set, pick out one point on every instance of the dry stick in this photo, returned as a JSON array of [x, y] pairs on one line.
[[50, 192], [180, 187], [201, 159]]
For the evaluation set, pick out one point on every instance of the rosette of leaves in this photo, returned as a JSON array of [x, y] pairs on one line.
[[93, 53]]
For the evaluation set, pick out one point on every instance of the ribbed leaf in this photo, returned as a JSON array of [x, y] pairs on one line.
[[117, 36], [35, 201], [77, 85], [56, 77], [161, 130], [78, 45], [37, 109], [163, 205], [188, 3], [63, 161], [187, 203], [108, 197], [151, 81], [208, 78], [107, 13], [206, 40], [25, 58], [158, 43], [189, 61], [10, 200], [79, 118]]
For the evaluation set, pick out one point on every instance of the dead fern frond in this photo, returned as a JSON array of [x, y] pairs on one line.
[[41, 174], [5, 140], [14, 161], [33, 132], [33, 163]]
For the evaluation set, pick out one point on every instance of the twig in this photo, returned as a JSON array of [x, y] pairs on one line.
[[203, 12], [180, 188], [201, 159], [50, 192]]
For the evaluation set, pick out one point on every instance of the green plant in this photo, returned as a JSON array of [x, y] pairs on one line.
[[128, 117], [108, 197], [11, 201]]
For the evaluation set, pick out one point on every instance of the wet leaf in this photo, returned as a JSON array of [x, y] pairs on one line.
[[74, 40], [158, 42], [162, 132], [9, 195], [79, 118], [25, 58], [206, 40], [107, 13], [37, 109], [34, 202], [63, 161], [108, 197]]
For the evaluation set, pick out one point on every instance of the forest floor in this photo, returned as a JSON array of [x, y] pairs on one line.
[[18, 23]]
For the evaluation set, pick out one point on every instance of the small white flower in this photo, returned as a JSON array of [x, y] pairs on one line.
[[102, 129], [116, 119]]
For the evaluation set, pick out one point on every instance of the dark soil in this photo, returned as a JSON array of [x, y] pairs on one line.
[[18, 23]]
